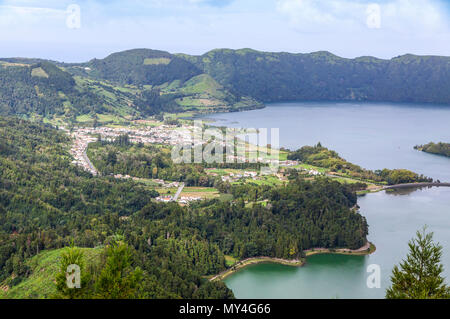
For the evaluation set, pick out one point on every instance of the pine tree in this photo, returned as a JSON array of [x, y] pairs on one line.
[[419, 276], [72, 256], [118, 279]]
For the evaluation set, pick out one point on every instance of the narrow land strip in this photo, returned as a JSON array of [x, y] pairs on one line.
[[367, 249], [409, 185]]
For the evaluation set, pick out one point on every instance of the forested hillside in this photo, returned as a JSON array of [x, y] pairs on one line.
[[47, 91], [269, 77], [124, 86], [323, 76], [435, 148], [170, 74], [140, 67], [139, 83], [40, 88], [321, 156], [46, 203]]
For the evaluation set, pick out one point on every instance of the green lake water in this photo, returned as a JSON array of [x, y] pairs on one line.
[[393, 220], [374, 136]]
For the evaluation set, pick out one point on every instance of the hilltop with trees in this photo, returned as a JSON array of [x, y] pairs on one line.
[[47, 204], [322, 157], [141, 82], [435, 148]]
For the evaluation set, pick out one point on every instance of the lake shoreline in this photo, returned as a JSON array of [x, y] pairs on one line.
[[393, 218], [367, 249]]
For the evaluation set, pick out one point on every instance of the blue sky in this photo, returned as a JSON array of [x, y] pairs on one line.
[[349, 28]]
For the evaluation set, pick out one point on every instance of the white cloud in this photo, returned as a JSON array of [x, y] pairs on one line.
[[342, 26], [317, 16], [32, 28], [415, 16], [25, 16], [400, 16]]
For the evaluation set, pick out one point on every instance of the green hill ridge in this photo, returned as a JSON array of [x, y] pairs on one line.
[[138, 83]]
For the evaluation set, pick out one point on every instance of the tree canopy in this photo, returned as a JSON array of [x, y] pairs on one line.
[[419, 276]]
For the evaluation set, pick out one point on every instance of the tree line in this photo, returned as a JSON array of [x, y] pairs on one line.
[[46, 203], [321, 156]]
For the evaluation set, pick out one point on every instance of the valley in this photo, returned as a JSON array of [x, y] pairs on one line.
[[86, 160]]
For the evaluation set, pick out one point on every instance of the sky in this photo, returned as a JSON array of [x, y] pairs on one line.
[[77, 31]]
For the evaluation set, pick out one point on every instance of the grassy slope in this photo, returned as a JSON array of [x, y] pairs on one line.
[[203, 93], [44, 267], [115, 100], [203, 84], [114, 97], [282, 76]]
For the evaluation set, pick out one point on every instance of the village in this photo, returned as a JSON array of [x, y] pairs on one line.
[[82, 136], [166, 135], [162, 134]]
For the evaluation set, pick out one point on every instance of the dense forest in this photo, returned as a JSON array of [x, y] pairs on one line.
[[152, 161], [269, 77], [141, 82], [142, 67], [322, 76], [46, 203], [435, 148], [321, 156], [46, 90], [40, 88]]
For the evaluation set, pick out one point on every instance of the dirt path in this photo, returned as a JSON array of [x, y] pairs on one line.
[[319, 250], [253, 261]]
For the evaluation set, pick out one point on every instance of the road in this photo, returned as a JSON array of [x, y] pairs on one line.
[[91, 166], [180, 189]]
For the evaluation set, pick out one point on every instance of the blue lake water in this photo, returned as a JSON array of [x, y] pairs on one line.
[[374, 136]]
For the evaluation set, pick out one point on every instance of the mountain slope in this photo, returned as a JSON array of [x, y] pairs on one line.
[[191, 88], [139, 67], [272, 77], [46, 203], [38, 88], [124, 86], [139, 83], [31, 88], [45, 90]]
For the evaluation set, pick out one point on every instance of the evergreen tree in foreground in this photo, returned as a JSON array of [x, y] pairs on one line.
[[114, 278], [420, 275], [72, 256], [118, 278]]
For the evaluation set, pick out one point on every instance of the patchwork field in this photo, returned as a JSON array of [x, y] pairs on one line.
[[203, 192]]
